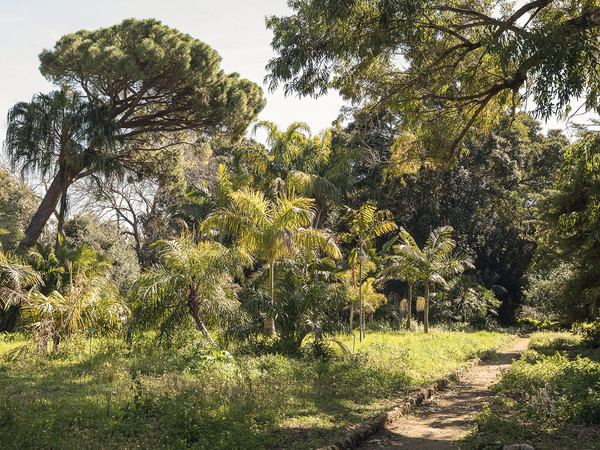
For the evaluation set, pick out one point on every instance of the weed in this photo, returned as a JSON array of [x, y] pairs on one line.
[[140, 394], [549, 398]]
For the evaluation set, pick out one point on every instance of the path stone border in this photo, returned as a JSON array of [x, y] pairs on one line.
[[361, 433]]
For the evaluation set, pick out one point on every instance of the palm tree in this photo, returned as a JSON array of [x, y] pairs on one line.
[[56, 264], [270, 230], [15, 277], [199, 201], [433, 262], [303, 164], [62, 136], [194, 279], [399, 267], [86, 301], [366, 223]]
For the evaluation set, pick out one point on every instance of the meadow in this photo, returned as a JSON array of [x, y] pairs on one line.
[[109, 393]]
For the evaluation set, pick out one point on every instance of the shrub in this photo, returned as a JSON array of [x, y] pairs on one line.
[[467, 301]]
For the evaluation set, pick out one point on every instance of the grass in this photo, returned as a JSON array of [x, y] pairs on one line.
[[146, 396], [550, 398]]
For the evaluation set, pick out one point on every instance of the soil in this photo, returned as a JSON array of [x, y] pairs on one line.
[[448, 415]]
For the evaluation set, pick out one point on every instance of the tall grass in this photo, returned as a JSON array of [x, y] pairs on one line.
[[144, 395], [550, 398]]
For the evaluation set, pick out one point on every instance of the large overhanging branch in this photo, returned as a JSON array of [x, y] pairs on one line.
[[512, 82]]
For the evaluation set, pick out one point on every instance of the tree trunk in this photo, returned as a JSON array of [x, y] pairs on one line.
[[269, 327], [62, 212], [46, 208], [360, 303], [351, 304], [194, 309], [426, 313], [409, 307], [9, 317]]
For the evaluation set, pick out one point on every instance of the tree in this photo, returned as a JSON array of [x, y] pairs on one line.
[[400, 267], [157, 90], [442, 66], [57, 264], [370, 298], [108, 240], [270, 230], [365, 224], [17, 206], [570, 224], [130, 202], [295, 161], [433, 262], [86, 301], [15, 277], [193, 281], [489, 197], [62, 136], [304, 307]]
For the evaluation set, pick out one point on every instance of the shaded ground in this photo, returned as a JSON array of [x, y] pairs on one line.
[[449, 414]]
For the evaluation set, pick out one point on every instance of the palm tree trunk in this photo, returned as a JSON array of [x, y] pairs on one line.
[[360, 302], [47, 207], [62, 212], [426, 314], [351, 304], [194, 309], [409, 306], [269, 327]]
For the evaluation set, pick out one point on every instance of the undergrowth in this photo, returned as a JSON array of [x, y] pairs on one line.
[[550, 398], [142, 395]]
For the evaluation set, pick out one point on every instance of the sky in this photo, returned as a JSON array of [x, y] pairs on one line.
[[234, 28]]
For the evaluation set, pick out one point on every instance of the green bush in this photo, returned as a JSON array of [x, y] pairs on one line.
[[538, 325], [466, 301], [555, 387], [591, 333], [300, 307], [549, 398]]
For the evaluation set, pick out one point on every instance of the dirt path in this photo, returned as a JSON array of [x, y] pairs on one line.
[[448, 415]]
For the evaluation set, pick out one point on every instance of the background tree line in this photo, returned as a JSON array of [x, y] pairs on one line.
[[194, 224]]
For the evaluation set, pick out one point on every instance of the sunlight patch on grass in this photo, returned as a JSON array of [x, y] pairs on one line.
[[143, 395]]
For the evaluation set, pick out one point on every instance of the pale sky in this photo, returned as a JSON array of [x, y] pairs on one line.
[[234, 28]]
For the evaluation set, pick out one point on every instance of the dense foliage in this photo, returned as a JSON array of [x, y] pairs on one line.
[[219, 277], [570, 214], [442, 66]]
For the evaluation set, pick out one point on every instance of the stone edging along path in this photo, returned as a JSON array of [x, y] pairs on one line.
[[360, 434]]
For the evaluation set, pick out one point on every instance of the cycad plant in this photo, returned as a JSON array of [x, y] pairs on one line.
[[270, 230], [194, 280], [433, 262], [305, 308]]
